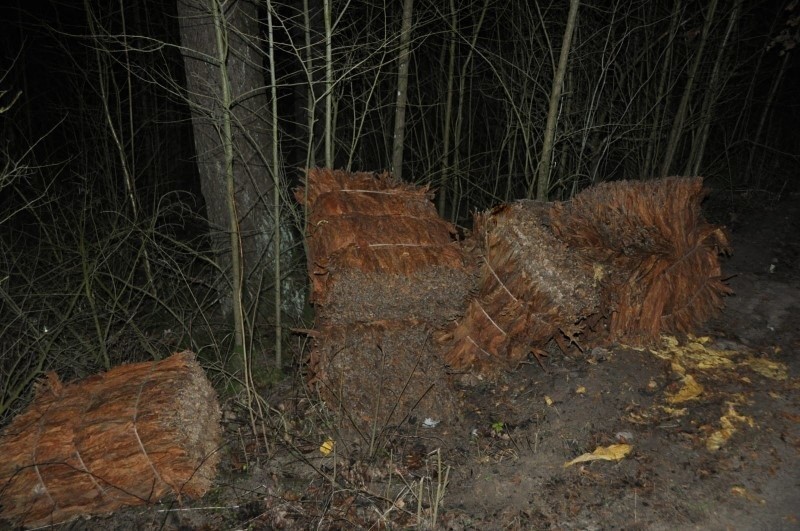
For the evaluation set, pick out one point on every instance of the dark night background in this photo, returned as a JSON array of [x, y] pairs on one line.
[[150, 153], [108, 230]]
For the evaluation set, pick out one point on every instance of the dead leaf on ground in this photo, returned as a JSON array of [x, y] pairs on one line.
[[613, 452]]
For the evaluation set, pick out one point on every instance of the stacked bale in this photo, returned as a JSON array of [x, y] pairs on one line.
[[382, 375], [532, 287], [126, 437], [384, 269], [377, 250]]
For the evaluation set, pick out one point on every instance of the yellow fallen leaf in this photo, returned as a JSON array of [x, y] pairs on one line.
[[727, 423], [327, 447], [719, 438], [691, 389], [768, 369], [677, 368], [744, 493], [580, 390], [613, 452], [674, 412]]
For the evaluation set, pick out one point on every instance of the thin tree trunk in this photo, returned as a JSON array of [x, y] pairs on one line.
[[711, 96], [226, 137], [767, 108], [307, 84], [567, 148], [306, 32], [743, 119], [448, 109], [402, 90], [119, 143], [543, 178], [328, 84], [462, 80], [276, 191], [658, 115], [683, 107]]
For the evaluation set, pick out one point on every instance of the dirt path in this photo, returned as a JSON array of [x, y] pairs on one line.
[[728, 458]]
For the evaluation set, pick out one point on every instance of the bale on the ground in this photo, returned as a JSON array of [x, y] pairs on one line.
[[532, 287], [661, 270], [381, 376], [126, 437]]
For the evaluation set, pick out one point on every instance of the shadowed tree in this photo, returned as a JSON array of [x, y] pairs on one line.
[[234, 141]]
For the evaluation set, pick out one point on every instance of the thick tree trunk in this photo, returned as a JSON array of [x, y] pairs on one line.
[[251, 140]]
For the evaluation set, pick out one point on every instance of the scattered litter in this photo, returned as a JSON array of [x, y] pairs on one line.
[[704, 353], [430, 423], [624, 436]]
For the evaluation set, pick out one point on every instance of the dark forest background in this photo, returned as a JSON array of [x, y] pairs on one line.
[[149, 149]]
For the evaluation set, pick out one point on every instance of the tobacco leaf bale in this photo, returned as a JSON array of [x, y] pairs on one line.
[[126, 437], [391, 279], [532, 286], [377, 250], [320, 181], [435, 295], [659, 255], [399, 201], [381, 375], [546, 264], [336, 233]]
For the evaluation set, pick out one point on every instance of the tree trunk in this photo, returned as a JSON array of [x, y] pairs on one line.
[[776, 81], [710, 98], [327, 16], [315, 81], [402, 90], [543, 177], [250, 140], [683, 107], [658, 115], [455, 167], [448, 109]]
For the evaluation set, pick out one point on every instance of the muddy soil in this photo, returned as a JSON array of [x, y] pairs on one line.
[[710, 424]]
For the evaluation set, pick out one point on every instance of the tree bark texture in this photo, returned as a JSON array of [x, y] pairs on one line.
[[250, 136], [402, 90]]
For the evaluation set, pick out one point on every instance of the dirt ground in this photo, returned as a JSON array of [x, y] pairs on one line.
[[710, 424]]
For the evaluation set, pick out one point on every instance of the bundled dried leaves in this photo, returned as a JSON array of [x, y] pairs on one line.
[[621, 261], [126, 437], [385, 270]]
